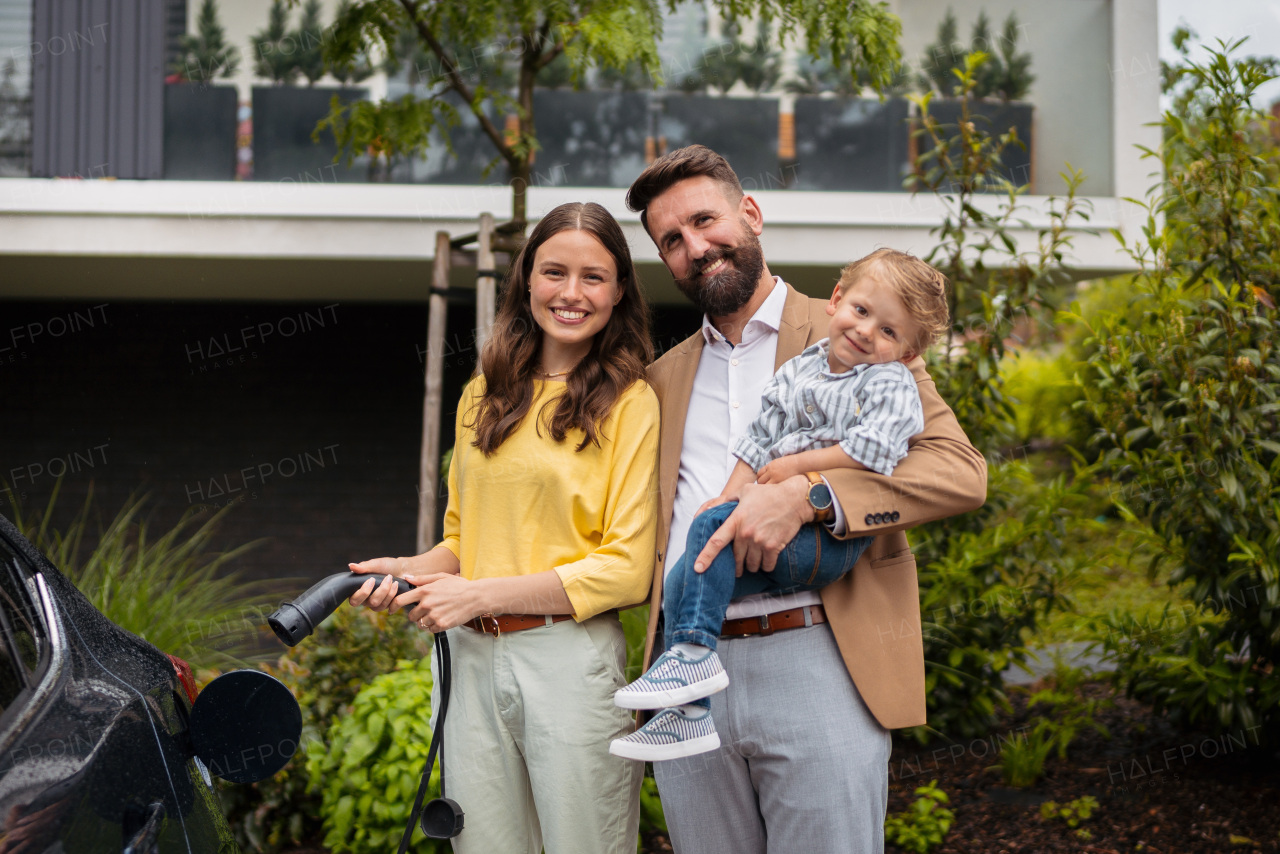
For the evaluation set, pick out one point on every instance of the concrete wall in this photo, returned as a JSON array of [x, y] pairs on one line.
[[306, 417]]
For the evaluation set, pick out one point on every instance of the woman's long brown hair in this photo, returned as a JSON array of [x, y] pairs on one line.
[[617, 358]]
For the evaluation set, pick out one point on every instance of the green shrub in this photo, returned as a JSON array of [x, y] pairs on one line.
[[1065, 712], [169, 590], [1043, 393], [1069, 711], [984, 592], [922, 826], [325, 672], [372, 765], [1081, 809], [1022, 759], [652, 818], [1189, 403]]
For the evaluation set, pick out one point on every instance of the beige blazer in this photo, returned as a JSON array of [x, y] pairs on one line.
[[874, 611]]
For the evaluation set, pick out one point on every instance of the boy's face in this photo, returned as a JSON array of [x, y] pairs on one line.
[[869, 325]]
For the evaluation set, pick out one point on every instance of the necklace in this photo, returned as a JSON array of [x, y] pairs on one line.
[[556, 374]]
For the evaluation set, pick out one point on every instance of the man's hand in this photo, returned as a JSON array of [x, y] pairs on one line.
[[767, 517]]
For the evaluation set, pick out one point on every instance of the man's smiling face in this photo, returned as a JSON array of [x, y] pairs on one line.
[[709, 242]]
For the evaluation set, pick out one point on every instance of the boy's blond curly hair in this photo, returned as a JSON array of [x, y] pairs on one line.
[[922, 289]]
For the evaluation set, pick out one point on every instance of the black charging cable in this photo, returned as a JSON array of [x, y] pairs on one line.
[[441, 817], [293, 621]]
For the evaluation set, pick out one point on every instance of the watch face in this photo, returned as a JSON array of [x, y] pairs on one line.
[[819, 496]]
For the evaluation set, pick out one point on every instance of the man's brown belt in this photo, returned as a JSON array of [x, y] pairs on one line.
[[779, 621]]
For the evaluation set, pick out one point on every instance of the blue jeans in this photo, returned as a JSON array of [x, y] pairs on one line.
[[693, 603]]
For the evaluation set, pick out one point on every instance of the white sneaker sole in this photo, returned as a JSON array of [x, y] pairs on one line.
[[674, 696], [660, 752]]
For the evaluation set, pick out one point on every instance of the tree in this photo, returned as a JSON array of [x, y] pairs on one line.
[[361, 66], [757, 64], [1015, 77], [274, 48], [530, 35], [206, 55], [309, 37], [1004, 72]]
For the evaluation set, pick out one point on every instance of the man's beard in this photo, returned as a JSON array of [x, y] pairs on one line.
[[724, 293]]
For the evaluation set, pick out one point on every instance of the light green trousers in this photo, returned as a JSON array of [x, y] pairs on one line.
[[526, 741]]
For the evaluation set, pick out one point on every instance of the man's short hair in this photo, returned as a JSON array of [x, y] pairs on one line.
[[922, 289], [693, 161]]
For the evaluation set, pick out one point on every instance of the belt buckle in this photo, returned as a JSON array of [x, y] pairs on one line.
[[765, 628], [485, 626]]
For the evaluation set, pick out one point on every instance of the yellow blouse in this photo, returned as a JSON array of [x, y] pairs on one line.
[[537, 504]]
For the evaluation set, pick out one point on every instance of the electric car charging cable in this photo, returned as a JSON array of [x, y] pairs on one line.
[[441, 817]]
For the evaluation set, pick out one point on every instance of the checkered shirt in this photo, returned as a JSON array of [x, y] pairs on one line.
[[870, 411]]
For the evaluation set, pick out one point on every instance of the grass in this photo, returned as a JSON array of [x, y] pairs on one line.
[[171, 589]]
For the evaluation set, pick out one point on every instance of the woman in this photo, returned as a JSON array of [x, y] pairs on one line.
[[551, 527]]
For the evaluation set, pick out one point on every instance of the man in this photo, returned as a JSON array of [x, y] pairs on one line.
[[848, 662]]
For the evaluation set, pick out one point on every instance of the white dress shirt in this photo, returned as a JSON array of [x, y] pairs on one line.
[[724, 402]]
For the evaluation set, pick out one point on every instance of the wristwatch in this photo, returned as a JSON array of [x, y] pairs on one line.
[[820, 498]]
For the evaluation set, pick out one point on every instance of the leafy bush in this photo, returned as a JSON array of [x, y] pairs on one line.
[[1043, 392], [1065, 712], [371, 769], [169, 590], [325, 672], [1069, 712], [652, 817], [923, 825], [1189, 402], [1012, 549], [1022, 759], [1081, 809], [983, 592]]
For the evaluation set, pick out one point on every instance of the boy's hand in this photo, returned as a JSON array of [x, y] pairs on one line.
[[715, 502], [779, 470]]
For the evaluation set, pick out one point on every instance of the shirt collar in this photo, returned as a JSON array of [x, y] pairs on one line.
[[767, 316]]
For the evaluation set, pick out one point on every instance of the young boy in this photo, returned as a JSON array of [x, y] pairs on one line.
[[847, 401]]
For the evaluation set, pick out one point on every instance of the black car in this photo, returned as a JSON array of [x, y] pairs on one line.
[[104, 745]]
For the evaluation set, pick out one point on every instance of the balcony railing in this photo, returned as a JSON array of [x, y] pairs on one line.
[[587, 139]]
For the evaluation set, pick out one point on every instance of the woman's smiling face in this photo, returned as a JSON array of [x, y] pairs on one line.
[[572, 291]]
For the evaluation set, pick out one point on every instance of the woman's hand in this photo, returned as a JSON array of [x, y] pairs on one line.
[[442, 601], [380, 597], [437, 561]]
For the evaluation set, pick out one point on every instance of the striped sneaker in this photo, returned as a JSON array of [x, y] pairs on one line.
[[671, 734], [674, 680]]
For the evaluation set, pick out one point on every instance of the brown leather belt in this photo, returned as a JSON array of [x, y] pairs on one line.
[[491, 625], [778, 621]]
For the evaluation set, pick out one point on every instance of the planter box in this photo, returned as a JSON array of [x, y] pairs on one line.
[[996, 117], [199, 132], [743, 130], [852, 144], [283, 119], [589, 139]]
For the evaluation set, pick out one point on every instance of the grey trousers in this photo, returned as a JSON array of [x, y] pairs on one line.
[[802, 765]]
